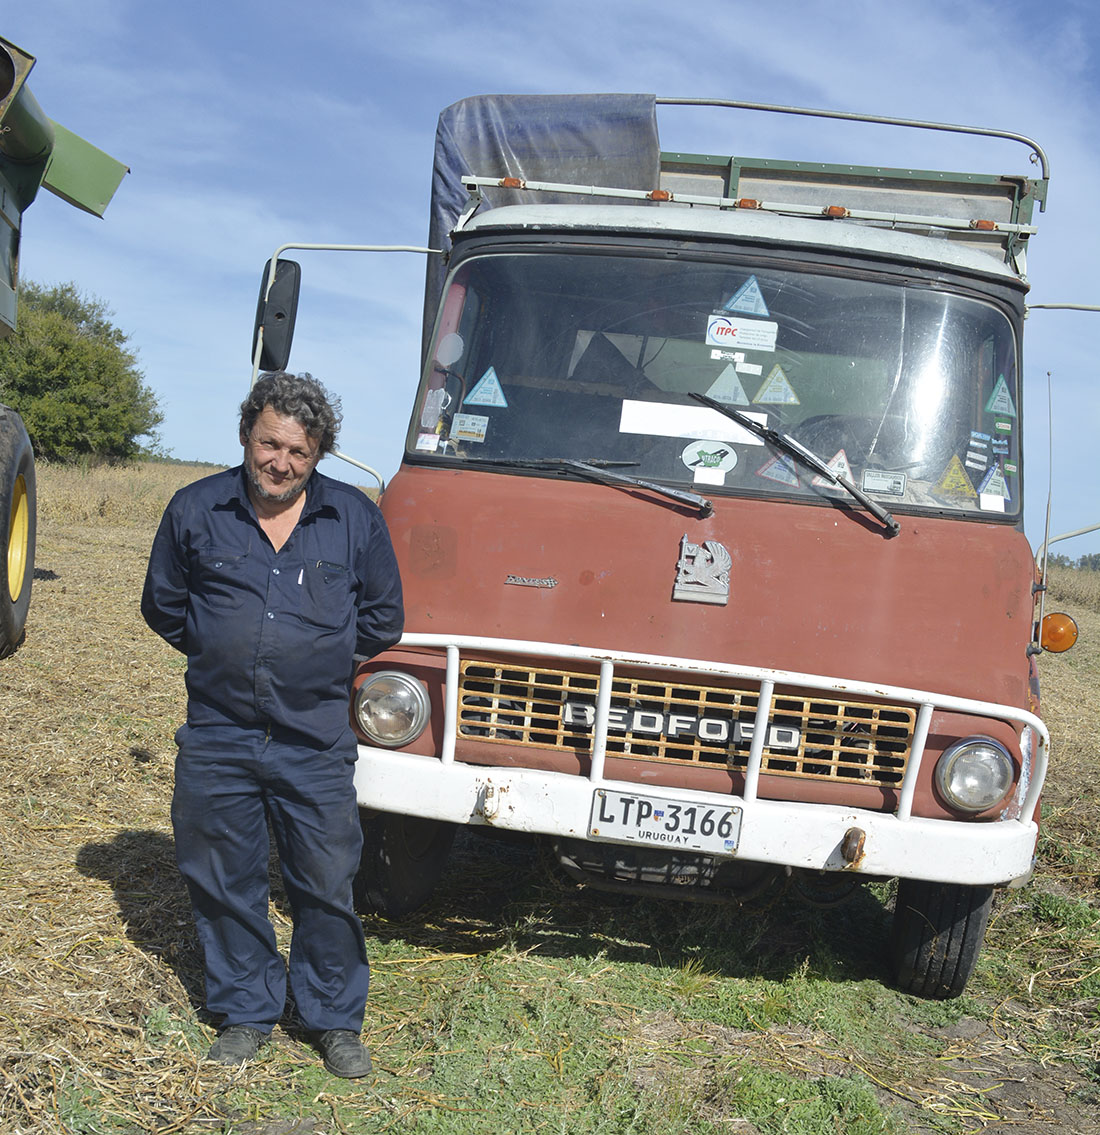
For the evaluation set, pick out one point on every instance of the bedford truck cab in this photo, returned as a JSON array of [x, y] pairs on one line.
[[710, 528]]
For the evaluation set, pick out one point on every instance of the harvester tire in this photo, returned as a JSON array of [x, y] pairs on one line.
[[17, 528]]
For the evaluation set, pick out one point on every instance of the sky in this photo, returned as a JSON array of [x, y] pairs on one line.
[[247, 125]]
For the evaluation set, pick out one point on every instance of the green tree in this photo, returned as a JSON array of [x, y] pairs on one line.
[[68, 371]]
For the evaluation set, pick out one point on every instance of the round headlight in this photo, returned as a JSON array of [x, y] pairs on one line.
[[392, 708], [974, 774]]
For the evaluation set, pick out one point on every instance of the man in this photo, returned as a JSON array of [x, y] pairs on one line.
[[273, 579]]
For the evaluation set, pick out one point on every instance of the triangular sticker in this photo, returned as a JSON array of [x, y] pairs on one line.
[[955, 482], [839, 465], [779, 469], [486, 392], [727, 388], [777, 391], [748, 299], [1000, 401], [994, 484]]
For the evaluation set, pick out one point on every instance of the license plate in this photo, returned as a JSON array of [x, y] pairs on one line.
[[662, 821]]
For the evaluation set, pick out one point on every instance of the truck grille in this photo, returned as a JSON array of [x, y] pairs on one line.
[[808, 737]]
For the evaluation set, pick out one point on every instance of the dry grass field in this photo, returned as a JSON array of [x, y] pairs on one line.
[[517, 1002]]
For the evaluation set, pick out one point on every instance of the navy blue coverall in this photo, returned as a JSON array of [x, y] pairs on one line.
[[270, 639]]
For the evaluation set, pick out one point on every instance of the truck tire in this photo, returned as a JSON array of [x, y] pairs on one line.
[[17, 528], [937, 936], [403, 858]]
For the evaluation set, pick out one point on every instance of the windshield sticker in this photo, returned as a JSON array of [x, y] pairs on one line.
[[994, 485], [732, 356], [748, 334], [954, 482], [727, 388], [1011, 468], [709, 461], [990, 502], [779, 469], [1003, 426], [486, 392], [749, 368], [433, 407], [879, 481], [667, 419], [976, 438], [1000, 401], [1000, 445], [838, 463], [450, 349], [469, 427], [976, 460], [777, 390], [427, 443], [748, 299]]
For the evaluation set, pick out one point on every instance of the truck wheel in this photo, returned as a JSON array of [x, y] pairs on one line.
[[403, 858], [938, 933], [17, 528]]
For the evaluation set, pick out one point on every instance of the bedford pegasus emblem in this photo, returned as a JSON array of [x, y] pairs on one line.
[[703, 573]]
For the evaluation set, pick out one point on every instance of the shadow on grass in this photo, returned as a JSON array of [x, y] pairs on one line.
[[152, 900], [510, 893]]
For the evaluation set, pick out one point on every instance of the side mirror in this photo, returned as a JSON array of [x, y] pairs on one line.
[[275, 314]]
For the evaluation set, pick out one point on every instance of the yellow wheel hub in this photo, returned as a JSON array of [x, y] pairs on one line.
[[18, 537]]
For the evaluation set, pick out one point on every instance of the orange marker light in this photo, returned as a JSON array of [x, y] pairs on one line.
[[984, 226], [1057, 633], [660, 195], [748, 203], [510, 183], [835, 211]]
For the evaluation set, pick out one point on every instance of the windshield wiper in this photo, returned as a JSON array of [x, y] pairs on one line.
[[797, 450], [599, 470]]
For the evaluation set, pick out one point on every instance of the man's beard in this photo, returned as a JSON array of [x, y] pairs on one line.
[[288, 494]]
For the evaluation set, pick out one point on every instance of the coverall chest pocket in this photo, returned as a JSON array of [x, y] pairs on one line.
[[326, 594], [221, 577]]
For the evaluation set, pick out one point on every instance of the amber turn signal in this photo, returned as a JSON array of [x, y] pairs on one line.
[[1057, 632]]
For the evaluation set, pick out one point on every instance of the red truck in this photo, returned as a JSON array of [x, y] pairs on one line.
[[710, 525]]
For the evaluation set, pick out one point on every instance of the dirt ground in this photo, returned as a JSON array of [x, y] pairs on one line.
[[96, 945]]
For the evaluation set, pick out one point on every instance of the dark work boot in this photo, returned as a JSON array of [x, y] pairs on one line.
[[344, 1054], [237, 1045]]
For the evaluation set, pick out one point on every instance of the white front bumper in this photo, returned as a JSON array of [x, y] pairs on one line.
[[772, 831]]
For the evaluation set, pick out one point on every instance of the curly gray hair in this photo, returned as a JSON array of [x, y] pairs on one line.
[[297, 396]]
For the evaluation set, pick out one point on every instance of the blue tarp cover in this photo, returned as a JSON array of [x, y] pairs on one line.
[[608, 140]]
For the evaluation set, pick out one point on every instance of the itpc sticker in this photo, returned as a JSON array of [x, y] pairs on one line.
[[487, 391], [742, 334]]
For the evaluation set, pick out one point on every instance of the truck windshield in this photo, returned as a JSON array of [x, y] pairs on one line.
[[908, 392]]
